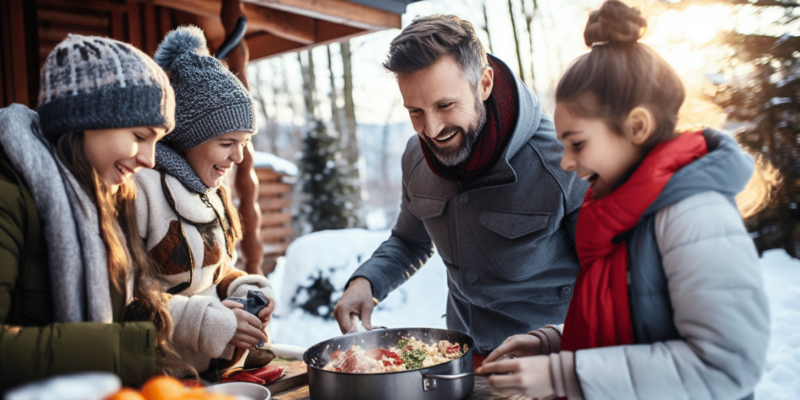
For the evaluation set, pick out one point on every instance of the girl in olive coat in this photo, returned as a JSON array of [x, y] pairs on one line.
[[70, 257]]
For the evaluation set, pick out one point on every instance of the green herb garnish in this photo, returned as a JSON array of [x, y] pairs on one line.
[[402, 343], [414, 358]]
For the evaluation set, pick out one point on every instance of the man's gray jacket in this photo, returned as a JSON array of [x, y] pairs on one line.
[[505, 236]]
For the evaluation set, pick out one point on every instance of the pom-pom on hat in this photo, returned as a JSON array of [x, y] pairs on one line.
[[210, 100], [91, 82]]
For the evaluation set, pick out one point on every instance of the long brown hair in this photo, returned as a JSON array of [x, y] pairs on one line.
[[234, 219], [119, 231], [620, 74]]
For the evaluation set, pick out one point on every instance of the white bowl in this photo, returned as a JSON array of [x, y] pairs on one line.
[[244, 389]]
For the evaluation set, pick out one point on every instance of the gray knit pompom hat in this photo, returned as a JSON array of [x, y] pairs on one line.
[[209, 99], [92, 82]]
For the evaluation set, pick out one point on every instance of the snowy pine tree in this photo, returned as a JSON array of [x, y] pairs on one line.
[[767, 100], [325, 188]]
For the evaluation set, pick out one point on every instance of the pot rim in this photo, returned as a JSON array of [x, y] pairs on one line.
[[469, 341]]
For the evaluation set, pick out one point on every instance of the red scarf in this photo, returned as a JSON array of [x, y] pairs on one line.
[[501, 117], [599, 314]]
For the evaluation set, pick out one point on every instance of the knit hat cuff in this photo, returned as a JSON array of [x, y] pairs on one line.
[[131, 106], [235, 117]]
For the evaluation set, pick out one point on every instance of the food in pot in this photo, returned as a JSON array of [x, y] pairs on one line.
[[408, 354]]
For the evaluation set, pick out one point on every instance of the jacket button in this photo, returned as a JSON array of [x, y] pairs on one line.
[[566, 290], [471, 279], [463, 199]]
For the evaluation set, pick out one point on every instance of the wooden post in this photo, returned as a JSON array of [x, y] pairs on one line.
[[15, 56], [135, 24], [246, 180]]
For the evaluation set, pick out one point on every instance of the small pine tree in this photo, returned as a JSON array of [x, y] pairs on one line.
[[325, 191], [764, 97], [767, 100]]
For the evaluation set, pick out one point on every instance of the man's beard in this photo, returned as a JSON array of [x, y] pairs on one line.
[[452, 157]]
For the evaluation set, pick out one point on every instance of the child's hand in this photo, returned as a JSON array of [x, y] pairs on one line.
[[519, 345], [248, 327], [266, 313], [528, 376]]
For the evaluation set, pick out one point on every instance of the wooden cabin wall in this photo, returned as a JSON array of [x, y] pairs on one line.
[[274, 200], [32, 28], [19, 68]]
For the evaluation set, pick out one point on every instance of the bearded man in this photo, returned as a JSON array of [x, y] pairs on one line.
[[482, 182]]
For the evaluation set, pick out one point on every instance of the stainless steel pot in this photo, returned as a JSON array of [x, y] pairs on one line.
[[452, 380]]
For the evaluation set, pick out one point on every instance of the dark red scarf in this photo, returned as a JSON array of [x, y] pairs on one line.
[[599, 314], [501, 117]]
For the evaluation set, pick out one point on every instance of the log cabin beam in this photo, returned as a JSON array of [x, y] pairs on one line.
[[296, 28], [290, 26], [75, 18], [267, 45], [264, 45], [338, 11], [86, 4]]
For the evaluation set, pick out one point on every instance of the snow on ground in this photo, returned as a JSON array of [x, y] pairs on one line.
[[420, 302], [781, 379]]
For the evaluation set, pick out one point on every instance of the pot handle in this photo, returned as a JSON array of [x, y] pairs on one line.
[[451, 377], [429, 380]]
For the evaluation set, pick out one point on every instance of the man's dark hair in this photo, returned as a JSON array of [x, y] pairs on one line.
[[426, 39]]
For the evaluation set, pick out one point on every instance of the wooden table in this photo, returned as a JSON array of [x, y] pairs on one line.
[[482, 391]]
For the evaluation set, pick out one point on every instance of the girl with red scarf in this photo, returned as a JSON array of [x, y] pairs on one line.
[[669, 301]]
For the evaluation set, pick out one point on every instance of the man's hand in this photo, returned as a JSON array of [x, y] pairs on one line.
[[528, 376], [357, 299], [248, 327], [519, 345]]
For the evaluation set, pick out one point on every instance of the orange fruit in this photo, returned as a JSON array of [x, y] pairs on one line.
[[163, 388], [126, 394]]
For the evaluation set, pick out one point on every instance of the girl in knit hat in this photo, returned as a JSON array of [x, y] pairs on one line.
[[186, 219], [70, 256]]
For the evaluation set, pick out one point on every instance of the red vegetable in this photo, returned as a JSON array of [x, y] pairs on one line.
[[243, 376], [269, 373], [387, 357]]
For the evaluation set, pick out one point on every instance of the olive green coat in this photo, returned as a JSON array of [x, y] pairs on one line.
[[32, 345]]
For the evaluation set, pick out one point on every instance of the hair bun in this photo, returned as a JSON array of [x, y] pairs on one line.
[[184, 39], [614, 22]]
